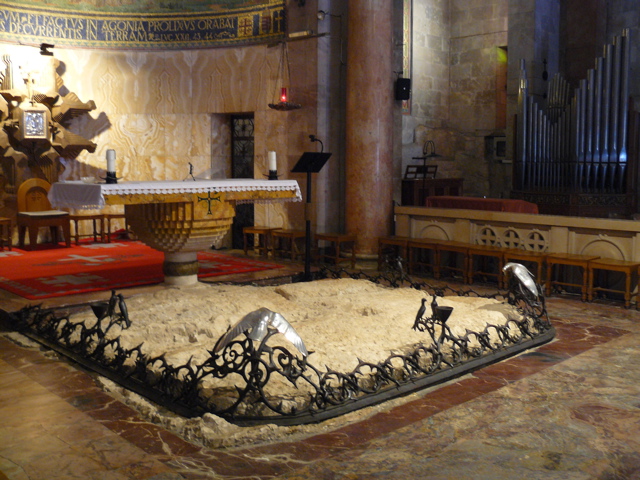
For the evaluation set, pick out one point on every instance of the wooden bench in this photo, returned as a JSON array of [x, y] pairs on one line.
[[560, 260], [397, 245], [6, 231], [480, 255], [423, 253], [96, 219], [550, 269], [528, 259], [262, 239], [453, 264], [107, 224], [285, 243], [629, 269], [335, 249]]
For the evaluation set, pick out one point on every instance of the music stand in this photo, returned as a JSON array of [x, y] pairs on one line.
[[309, 162]]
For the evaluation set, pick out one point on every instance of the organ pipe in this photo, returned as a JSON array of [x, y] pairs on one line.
[[579, 139]]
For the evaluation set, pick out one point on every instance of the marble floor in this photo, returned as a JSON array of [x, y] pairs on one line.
[[566, 410]]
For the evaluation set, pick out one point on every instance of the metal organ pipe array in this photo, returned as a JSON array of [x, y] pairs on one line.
[[578, 141]]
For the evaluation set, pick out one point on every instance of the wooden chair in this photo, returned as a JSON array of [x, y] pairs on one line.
[[34, 212], [5, 233]]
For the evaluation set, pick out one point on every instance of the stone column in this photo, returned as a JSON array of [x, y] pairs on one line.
[[369, 123]]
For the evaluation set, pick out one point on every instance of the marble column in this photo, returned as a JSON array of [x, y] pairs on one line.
[[369, 123]]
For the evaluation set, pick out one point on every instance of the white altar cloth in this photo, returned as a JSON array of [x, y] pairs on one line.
[[80, 195]]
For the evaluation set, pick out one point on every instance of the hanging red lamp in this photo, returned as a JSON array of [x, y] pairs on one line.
[[283, 70]]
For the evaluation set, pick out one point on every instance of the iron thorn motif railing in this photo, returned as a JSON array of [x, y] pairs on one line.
[[237, 383]]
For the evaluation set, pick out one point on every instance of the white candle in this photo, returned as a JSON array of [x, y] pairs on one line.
[[273, 165], [111, 160]]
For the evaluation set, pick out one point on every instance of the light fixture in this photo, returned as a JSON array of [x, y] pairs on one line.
[[44, 49], [429, 150], [322, 14], [313, 138], [284, 77]]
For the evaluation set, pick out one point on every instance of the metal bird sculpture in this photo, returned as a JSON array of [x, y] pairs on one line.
[[103, 310], [420, 314], [111, 309], [524, 277], [257, 324], [124, 312], [434, 306]]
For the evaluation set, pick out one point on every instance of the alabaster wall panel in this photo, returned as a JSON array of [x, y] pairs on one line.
[[207, 89], [186, 135], [231, 80], [158, 105], [271, 215], [271, 128], [138, 134], [201, 136], [140, 167], [120, 89], [174, 85], [246, 93], [220, 147], [129, 81]]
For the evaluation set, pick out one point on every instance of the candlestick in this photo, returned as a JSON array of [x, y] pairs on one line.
[[273, 164], [111, 160], [111, 166]]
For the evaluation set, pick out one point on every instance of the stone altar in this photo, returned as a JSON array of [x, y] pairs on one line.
[[179, 218]]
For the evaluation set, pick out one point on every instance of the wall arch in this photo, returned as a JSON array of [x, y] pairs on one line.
[[433, 231], [604, 248]]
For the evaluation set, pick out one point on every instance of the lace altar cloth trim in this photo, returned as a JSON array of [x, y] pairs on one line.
[[80, 195]]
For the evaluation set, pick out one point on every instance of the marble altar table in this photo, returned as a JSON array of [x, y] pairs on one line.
[[179, 218]]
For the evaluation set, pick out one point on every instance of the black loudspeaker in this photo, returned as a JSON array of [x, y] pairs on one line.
[[403, 89]]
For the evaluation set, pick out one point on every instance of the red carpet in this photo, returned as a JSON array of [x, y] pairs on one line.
[[93, 267]]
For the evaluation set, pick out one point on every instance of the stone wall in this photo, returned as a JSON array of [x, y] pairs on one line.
[[456, 64], [164, 110]]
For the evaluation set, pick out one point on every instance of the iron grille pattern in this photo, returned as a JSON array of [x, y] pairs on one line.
[[192, 390]]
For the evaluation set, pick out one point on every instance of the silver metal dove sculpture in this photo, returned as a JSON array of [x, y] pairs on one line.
[[258, 323], [523, 276]]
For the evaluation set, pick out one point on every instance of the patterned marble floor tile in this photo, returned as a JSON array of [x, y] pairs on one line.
[[570, 409]]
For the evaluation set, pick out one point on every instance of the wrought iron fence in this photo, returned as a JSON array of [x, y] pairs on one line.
[[236, 383]]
